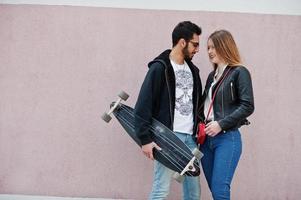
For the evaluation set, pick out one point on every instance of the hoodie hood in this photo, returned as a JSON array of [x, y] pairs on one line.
[[165, 57]]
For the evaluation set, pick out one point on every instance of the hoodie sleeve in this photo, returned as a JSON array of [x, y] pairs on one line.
[[144, 108]]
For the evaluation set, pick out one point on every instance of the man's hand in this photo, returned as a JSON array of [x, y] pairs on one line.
[[212, 128], [147, 149]]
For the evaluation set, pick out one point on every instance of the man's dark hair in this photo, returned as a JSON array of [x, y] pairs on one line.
[[185, 30]]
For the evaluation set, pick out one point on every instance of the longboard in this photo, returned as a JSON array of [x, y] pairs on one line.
[[174, 154]]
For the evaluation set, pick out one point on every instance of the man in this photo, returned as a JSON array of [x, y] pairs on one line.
[[171, 93]]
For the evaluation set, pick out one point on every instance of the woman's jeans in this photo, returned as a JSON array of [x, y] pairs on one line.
[[163, 176], [221, 156]]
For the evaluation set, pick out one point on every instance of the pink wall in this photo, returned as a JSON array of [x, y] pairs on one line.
[[61, 66]]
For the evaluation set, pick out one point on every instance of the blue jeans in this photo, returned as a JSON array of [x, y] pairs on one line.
[[221, 156], [163, 176]]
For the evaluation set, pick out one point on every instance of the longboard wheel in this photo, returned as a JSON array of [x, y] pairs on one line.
[[178, 177], [107, 118], [123, 95], [197, 153]]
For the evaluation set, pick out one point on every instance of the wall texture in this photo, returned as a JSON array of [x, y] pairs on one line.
[[61, 66]]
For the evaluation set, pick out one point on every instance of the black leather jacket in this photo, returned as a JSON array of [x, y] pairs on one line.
[[234, 100]]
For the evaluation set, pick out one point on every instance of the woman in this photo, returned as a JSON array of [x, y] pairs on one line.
[[230, 87]]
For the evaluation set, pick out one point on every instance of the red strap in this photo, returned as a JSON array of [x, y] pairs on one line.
[[215, 92]]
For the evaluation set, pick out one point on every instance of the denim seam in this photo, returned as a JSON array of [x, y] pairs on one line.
[[233, 145]]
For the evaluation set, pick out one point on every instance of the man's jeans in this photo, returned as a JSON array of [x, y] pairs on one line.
[[163, 176], [221, 156]]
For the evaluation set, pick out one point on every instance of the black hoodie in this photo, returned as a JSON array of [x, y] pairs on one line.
[[157, 96]]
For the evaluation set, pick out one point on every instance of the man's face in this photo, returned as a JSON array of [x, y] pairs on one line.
[[192, 47]]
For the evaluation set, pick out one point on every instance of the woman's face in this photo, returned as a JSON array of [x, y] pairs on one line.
[[213, 56]]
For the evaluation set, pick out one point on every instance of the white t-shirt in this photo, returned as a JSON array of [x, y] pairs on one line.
[[217, 76], [183, 114]]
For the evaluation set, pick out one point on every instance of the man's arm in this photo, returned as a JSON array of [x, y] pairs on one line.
[[144, 107]]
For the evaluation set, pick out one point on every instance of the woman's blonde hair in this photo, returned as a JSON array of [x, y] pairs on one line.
[[225, 47]]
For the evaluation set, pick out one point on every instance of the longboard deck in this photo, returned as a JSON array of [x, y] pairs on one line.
[[174, 154]]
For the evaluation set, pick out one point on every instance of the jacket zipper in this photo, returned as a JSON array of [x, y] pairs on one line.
[[232, 95], [168, 88], [196, 110], [223, 100]]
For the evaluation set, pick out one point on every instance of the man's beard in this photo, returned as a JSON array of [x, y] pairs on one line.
[[186, 53]]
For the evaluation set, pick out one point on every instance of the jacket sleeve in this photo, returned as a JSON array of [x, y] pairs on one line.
[[245, 100], [144, 108]]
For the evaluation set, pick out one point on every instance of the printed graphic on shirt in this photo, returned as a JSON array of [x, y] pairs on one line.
[[184, 87]]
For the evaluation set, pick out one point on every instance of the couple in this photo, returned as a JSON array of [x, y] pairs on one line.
[[172, 93]]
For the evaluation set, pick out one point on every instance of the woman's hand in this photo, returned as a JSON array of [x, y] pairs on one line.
[[212, 128]]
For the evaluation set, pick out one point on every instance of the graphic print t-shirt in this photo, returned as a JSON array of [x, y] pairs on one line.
[[183, 118]]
